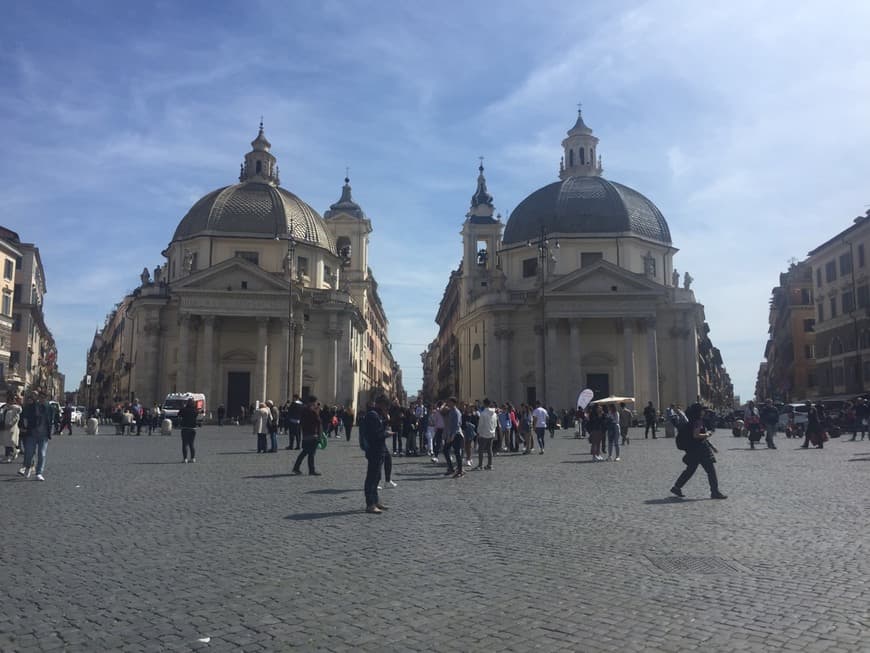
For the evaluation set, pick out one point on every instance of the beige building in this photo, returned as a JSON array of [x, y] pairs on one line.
[[841, 292], [577, 289], [9, 256], [32, 362], [259, 298]]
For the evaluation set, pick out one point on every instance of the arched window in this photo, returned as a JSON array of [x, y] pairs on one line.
[[475, 353], [582, 156], [570, 158], [836, 346]]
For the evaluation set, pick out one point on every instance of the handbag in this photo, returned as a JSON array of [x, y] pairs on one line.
[[322, 441]]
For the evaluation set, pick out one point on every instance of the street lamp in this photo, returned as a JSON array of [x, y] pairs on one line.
[[288, 264], [544, 248]]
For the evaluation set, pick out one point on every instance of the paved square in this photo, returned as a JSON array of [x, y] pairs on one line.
[[125, 548]]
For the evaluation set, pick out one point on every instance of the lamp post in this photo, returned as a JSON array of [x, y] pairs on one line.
[[544, 248], [291, 331]]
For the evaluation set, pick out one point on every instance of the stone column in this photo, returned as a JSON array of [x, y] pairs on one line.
[[628, 338], [539, 367], [183, 360], [262, 359], [652, 364], [286, 363], [332, 357], [552, 382], [297, 359], [576, 355], [504, 336], [207, 361]]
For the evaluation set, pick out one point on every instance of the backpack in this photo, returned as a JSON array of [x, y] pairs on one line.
[[684, 437]]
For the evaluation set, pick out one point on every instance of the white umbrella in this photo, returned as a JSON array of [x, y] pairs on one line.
[[614, 400]]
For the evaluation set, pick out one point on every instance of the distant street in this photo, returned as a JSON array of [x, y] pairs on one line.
[[124, 548]]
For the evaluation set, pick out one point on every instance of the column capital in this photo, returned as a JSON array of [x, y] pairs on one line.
[[334, 334]]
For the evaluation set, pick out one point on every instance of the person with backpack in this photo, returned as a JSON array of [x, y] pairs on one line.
[[372, 438], [694, 440]]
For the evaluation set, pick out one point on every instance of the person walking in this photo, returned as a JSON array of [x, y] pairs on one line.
[[273, 426], [770, 418], [37, 418], [693, 439], [11, 417], [260, 420], [486, 426], [294, 414], [814, 432], [625, 417], [66, 419], [649, 415], [539, 422], [187, 416], [597, 427], [310, 424], [611, 419], [752, 420], [373, 438], [453, 439]]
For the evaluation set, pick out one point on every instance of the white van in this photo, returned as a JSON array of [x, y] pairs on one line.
[[176, 400], [800, 415]]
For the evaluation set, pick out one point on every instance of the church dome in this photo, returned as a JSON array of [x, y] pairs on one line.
[[586, 205], [254, 210], [257, 207]]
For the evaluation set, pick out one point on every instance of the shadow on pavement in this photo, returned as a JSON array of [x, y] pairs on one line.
[[271, 476], [667, 500], [579, 462], [234, 453], [308, 516], [331, 491]]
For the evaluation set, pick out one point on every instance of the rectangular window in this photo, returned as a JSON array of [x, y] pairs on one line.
[[839, 376], [588, 258], [17, 296], [14, 358], [809, 351], [833, 307], [811, 380], [253, 257], [16, 322], [809, 325], [302, 266], [845, 264], [831, 271], [861, 255], [863, 296], [821, 316], [327, 272], [818, 277], [847, 302], [530, 267], [9, 269], [806, 297], [7, 302]]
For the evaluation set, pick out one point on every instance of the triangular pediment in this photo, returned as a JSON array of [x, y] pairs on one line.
[[231, 275], [603, 277]]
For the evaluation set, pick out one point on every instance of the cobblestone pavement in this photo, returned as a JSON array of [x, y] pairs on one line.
[[125, 548]]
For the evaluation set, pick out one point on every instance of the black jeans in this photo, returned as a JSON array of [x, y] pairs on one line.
[[309, 448], [373, 477], [650, 424], [708, 466], [388, 466], [295, 434], [187, 438]]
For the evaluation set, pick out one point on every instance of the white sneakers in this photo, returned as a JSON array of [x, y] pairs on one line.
[[392, 483], [26, 472], [40, 477]]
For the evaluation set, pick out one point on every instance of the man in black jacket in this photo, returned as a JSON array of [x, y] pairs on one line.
[[187, 417], [770, 418], [374, 435]]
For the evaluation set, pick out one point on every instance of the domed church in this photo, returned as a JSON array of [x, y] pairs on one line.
[[576, 290], [259, 298]]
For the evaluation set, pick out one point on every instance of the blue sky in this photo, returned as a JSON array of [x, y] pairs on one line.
[[747, 123]]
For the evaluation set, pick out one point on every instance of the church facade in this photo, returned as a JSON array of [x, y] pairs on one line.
[[259, 298], [577, 289]]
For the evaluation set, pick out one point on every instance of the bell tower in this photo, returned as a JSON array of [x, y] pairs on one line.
[[260, 164], [481, 234], [580, 158]]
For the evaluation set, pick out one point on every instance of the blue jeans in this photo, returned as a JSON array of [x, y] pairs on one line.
[[540, 431], [273, 440], [33, 444], [613, 436]]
